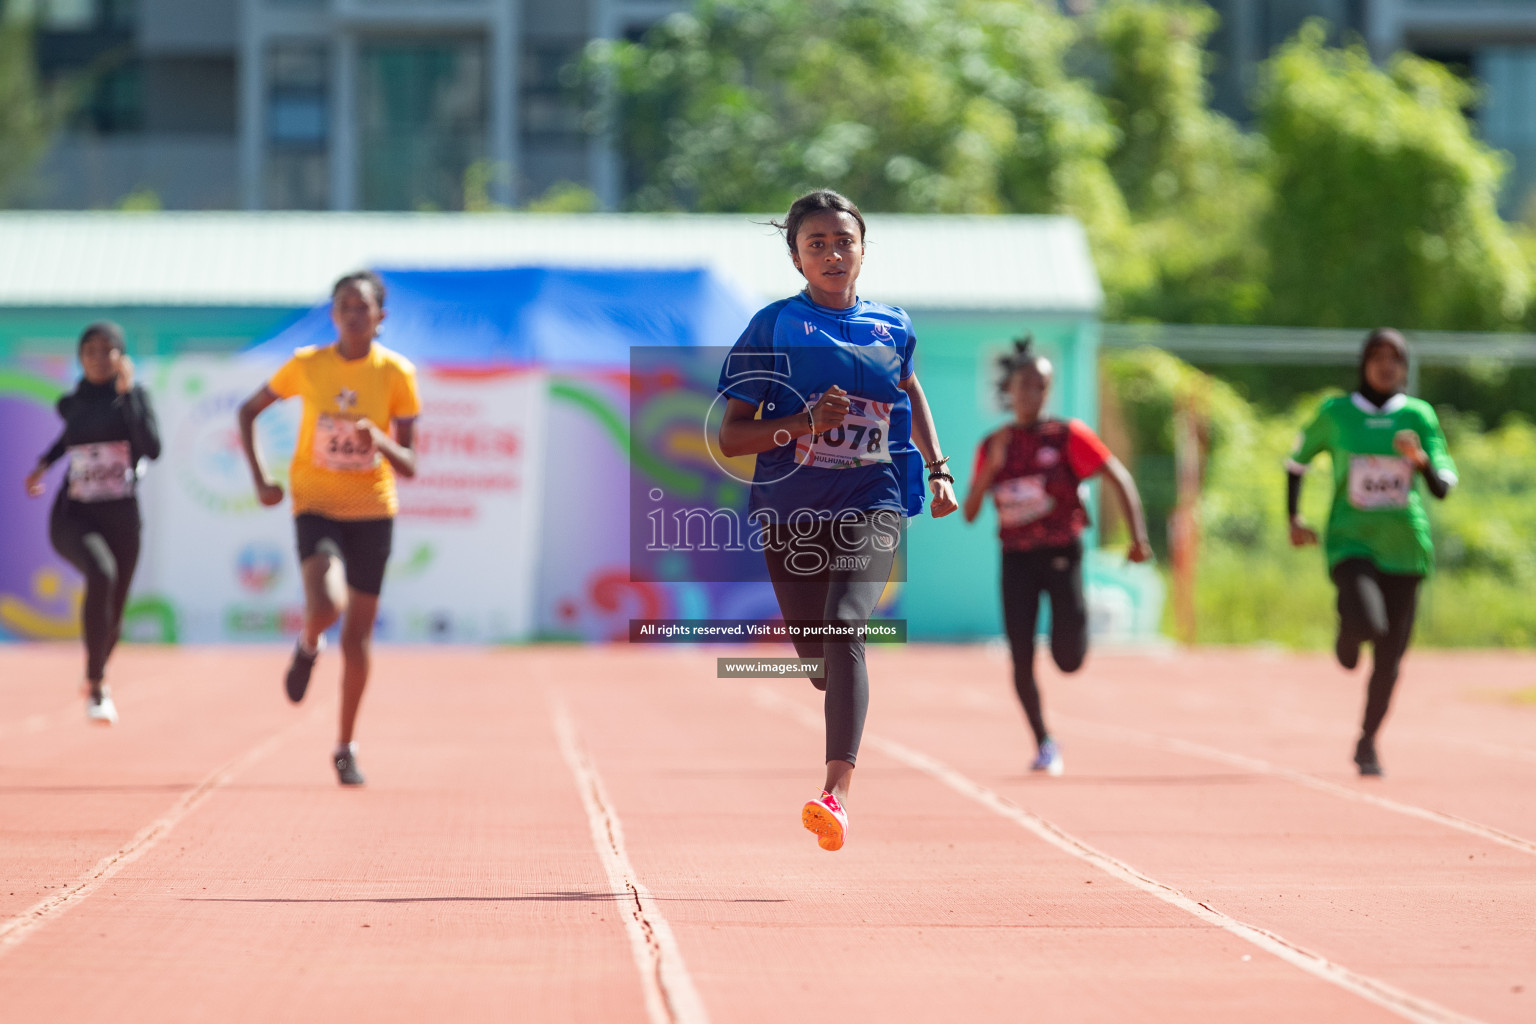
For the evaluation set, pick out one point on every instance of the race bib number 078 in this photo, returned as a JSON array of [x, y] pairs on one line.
[[861, 439], [340, 447], [1379, 482]]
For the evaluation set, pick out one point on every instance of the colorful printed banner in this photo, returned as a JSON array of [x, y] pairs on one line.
[[217, 566], [517, 527]]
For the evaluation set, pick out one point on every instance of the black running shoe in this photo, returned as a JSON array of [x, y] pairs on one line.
[[346, 770], [1365, 757], [299, 670]]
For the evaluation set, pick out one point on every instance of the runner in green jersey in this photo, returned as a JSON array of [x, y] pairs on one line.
[[1378, 543]]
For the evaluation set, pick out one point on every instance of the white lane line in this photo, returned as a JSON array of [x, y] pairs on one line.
[[970, 697], [1389, 997], [1254, 764], [15, 930], [670, 997]]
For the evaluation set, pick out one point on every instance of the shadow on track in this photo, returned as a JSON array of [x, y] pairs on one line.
[[537, 897]]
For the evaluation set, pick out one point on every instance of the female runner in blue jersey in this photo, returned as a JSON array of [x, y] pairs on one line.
[[831, 376]]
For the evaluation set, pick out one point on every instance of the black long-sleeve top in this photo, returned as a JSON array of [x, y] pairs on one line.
[[94, 413]]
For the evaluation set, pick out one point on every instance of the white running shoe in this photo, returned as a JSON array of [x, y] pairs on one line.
[[1048, 760], [99, 708]]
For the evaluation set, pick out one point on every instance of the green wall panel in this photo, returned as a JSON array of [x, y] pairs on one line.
[[952, 569]]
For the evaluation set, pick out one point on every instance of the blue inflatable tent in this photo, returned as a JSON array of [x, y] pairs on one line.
[[549, 316]]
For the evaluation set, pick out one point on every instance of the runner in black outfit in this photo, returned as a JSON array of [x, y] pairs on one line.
[[108, 428]]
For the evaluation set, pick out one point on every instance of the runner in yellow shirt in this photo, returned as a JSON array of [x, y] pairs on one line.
[[343, 480]]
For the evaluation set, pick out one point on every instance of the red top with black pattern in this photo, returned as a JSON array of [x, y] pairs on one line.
[[1036, 491]]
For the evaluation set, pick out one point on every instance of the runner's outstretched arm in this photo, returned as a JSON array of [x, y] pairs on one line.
[[400, 450], [1301, 533], [981, 483], [1407, 444], [35, 478], [1130, 502], [926, 436], [268, 492], [742, 433], [143, 432]]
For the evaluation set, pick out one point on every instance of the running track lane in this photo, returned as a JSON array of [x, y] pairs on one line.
[[460, 885], [1428, 908], [938, 908]]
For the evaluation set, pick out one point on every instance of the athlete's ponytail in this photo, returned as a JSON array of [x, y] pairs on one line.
[[1009, 363]]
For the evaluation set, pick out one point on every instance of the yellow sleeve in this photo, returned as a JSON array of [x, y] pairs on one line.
[[288, 379], [405, 400]]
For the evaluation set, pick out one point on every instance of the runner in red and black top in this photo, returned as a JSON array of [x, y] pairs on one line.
[[1034, 468]]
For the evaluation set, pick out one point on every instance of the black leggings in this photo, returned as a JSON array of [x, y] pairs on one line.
[[1059, 573], [835, 573], [1378, 607], [101, 539]]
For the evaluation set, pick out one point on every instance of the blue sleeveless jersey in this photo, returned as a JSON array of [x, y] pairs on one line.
[[791, 352]]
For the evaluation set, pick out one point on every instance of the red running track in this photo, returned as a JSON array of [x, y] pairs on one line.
[[612, 834]]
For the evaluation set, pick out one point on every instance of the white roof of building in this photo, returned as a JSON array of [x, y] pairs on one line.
[[1005, 263]]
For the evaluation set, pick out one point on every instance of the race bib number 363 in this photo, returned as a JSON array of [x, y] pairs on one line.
[[1379, 482], [338, 446], [861, 439], [101, 471]]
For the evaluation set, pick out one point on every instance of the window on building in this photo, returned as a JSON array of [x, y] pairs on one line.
[[75, 15], [88, 46], [297, 126], [1507, 119], [117, 99], [551, 105], [67, 15], [421, 108], [117, 14]]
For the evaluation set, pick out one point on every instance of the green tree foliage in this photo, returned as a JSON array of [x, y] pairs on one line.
[[1149, 387], [923, 105], [1384, 202], [961, 107], [1253, 587], [1192, 179], [28, 114], [1366, 199]]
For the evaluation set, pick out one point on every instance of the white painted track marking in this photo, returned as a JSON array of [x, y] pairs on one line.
[[1253, 764], [15, 930], [1389, 997], [670, 996]]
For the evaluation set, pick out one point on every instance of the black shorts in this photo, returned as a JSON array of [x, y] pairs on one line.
[[361, 544]]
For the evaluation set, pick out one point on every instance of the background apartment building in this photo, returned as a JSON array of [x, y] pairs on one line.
[[1492, 40], [386, 104], [323, 104]]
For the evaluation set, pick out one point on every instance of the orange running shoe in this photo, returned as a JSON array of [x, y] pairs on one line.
[[826, 817]]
